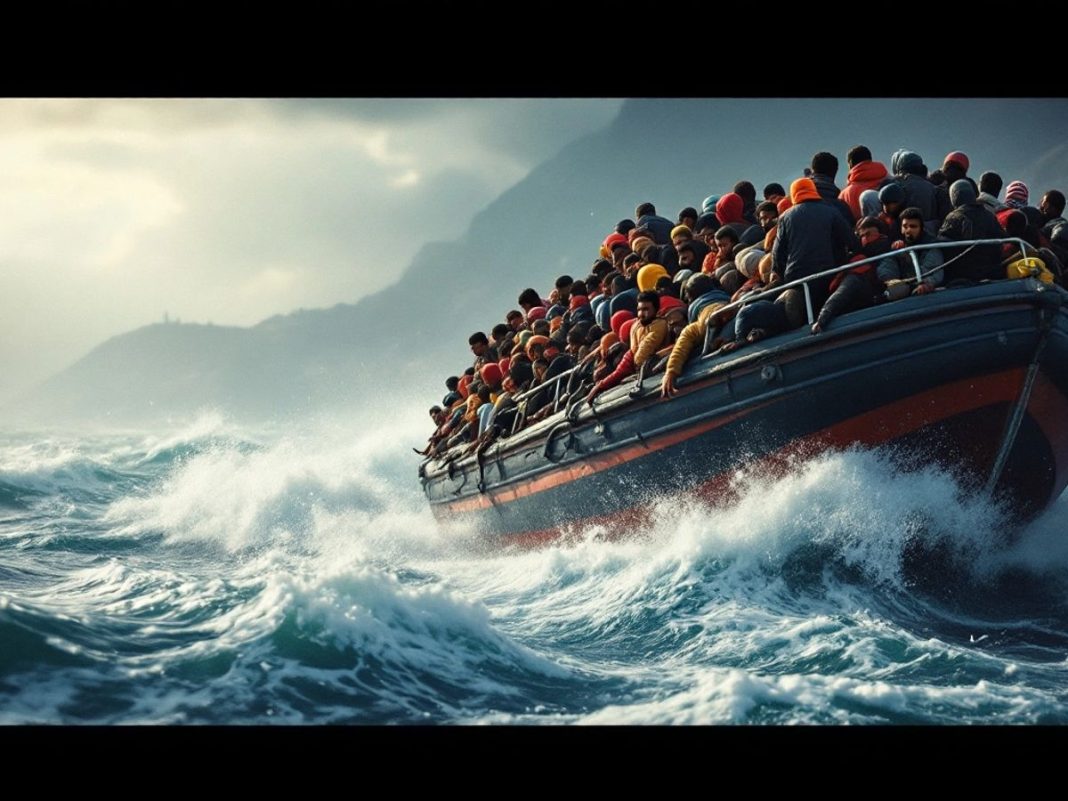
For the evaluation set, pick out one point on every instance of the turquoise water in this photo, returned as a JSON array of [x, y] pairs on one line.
[[216, 574]]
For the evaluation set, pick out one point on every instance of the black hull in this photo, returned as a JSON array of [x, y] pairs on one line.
[[975, 380]]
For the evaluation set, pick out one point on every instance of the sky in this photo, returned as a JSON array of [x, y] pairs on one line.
[[115, 212]]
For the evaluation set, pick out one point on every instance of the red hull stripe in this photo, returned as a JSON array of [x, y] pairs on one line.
[[876, 428], [870, 428], [595, 464]]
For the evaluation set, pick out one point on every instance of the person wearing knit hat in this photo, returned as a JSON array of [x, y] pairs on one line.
[[536, 313], [640, 244], [1016, 195], [613, 239], [892, 198], [708, 205], [680, 234], [958, 158], [648, 276], [932, 201], [969, 220]]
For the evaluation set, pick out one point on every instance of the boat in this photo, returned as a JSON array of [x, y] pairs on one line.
[[973, 380]]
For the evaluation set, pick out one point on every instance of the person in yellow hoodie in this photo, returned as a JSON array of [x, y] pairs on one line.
[[646, 337], [700, 287]]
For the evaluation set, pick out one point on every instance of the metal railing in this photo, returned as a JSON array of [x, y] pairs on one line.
[[770, 292]]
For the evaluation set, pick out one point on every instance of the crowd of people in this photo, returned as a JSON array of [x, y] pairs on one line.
[[662, 291]]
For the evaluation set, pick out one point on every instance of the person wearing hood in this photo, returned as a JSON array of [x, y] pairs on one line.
[[747, 192], [660, 227], [823, 170], [1016, 195], [706, 297], [989, 187], [920, 193], [870, 205], [955, 168], [730, 211], [856, 289], [864, 175], [892, 198], [647, 335], [811, 238], [969, 220]]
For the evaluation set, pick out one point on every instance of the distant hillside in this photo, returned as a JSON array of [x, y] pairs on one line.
[[414, 333]]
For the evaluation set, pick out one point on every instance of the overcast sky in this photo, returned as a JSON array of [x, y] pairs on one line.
[[113, 212]]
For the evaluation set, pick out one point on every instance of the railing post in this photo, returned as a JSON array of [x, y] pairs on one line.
[[808, 303], [916, 264]]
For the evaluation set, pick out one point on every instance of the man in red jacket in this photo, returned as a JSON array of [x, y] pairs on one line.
[[864, 174]]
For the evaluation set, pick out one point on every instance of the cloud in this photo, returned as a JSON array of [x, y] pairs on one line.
[[114, 211]]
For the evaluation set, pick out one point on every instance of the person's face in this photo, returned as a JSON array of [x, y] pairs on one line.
[[678, 239], [868, 235], [708, 236], [646, 312], [539, 371], [891, 208], [676, 321], [1044, 207], [688, 222], [724, 246], [767, 219], [911, 230], [515, 323], [437, 417], [478, 348], [618, 254], [686, 259]]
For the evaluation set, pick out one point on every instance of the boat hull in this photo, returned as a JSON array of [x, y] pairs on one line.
[[973, 380]]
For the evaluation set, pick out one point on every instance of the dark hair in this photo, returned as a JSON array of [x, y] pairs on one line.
[[644, 208], [477, 337], [601, 267], [689, 211], [505, 349], [498, 331], [484, 393], [911, 213], [774, 189], [698, 284], [530, 296], [435, 409], [564, 280], [746, 190], [577, 335], [768, 206], [1056, 201], [520, 371], [991, 183], [623, 226], [469, 371], [452, 382], [619, 284], [579, 288], [825, 163], [939, 177], [544, 364], [594, 334], [857, 154], [633, 258], [513, 314], [650, 297], [688, 246], [492, 354], [726, 232]]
